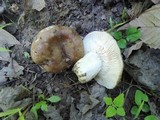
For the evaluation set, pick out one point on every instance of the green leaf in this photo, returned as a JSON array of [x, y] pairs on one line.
[[40, 105], [107, 100], [117, 35], [134, 110], [133, 34], [145, 97], [121, 111], [111, 22], [119, 100], [139, 110], [150, 117], [138, 97], [3, 26], [146, 108], [44, 107], [9, 112], [122, 43], [54, 99], [26, 55], [34, 111], [21, 116], [3, 49], [111, 111], [41, 97]]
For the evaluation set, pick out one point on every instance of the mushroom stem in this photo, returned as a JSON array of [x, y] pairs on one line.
[[88, 67]]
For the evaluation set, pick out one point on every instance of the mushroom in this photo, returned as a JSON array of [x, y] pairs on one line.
[[102, 60], [56, 48]]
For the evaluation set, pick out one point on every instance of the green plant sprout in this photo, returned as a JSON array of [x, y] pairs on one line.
[[42, 105], [115, 107], [26, 55], [6, 114], [131, 35], [114, 25], [141, 100], [124, 14], [3, 49], [5, 25], [150, 117]]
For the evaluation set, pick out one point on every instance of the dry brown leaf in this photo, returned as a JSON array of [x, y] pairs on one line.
[[128, 51], [13, 70], [38, 4], [149, 23], [9, 40], [14, 98]]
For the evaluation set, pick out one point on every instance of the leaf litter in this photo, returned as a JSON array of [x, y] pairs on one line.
[[149, 23], [8, 40], [13, 70], [14, 97]]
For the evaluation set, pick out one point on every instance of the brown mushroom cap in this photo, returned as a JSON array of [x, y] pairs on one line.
[[56, 48]]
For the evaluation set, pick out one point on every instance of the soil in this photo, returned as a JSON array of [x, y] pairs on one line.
[[84, 16]]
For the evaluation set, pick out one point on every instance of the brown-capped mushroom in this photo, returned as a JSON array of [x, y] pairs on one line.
[[56, 48]]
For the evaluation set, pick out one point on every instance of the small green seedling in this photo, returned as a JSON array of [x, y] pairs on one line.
[[3, 49], [131, 35], [150, 117], [26, 55], [42, 105], [141, 100], [6, 114], [114, 24], [5, 25], [115, 107], [124, 14]]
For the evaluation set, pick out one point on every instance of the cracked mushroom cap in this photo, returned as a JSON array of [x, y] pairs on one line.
[[56, 48]]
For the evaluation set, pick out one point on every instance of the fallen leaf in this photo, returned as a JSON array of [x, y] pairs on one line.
[[129, 50], [138, 7], [14, 98], [149, 23], [154, 109], [87, 102], [155, 1], [9, 40], [13, 70], [73, 112], [52, 113], [38, 4], [90, 106], [4, 56]]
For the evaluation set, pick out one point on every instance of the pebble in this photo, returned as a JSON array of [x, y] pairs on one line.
[[1, 9]]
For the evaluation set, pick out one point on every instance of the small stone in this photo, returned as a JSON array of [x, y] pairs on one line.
[[56, 89], [107, 1], [14, 7], [1, 9], [114, 10]]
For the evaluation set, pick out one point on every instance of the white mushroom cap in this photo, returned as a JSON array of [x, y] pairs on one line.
[[108, 52]]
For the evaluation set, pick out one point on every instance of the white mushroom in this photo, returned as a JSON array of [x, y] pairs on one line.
[[102, 60]]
